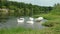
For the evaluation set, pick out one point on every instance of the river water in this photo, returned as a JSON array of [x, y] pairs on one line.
[[12, 22]]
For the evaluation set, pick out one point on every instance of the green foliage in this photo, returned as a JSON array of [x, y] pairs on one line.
[[48, 24], [56, 9], [22, 9]]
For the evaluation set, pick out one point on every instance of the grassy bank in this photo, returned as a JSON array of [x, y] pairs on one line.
[[25, 31], [53, 23]]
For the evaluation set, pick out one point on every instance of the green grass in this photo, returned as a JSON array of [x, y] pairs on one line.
[[16, 30], [53, 23]]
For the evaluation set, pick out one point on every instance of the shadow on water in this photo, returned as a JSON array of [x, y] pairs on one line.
[[12, 22]]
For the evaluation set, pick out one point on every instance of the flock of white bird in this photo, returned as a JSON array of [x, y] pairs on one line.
[[30, 21]]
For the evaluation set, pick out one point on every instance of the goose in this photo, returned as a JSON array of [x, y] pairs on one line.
[[31, 18], [21, 20], [39, 19], [30, 21]]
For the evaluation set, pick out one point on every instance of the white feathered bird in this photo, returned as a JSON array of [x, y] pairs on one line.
[[21, 20], [39, 19], [30, 21]]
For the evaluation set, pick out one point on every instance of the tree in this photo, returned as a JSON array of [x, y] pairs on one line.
[[56, 9], [3, 0]]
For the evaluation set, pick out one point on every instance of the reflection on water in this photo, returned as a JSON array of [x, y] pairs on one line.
[[12, 22]]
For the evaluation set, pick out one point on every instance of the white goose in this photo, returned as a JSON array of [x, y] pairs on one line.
[[30, 21], [39, 19], [21, 20], [31, 18]]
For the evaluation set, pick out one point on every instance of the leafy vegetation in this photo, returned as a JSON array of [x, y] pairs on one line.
[[23, 9]]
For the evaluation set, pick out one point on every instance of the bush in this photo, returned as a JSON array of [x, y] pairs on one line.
[[48, 24]]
